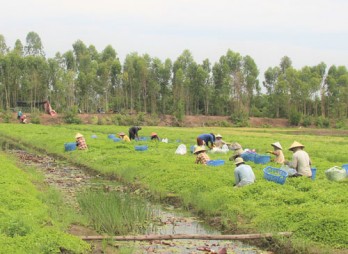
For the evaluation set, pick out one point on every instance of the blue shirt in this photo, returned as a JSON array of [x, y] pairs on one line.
[[207, 138], [244, 175]]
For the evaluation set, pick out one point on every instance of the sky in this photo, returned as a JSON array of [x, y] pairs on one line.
[[307, 31]]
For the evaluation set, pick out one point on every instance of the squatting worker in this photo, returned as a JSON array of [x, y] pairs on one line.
[[243, 174], [133, 132], [218, 141], [202, 156], [278, 152], [300, 160], [206, 139], [124, 137], [237, 151], [80, 142]]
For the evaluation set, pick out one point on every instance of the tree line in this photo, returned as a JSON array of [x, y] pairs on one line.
[[87, 79]]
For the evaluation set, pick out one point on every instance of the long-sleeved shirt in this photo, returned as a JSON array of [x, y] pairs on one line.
[[243, 175], [279, 156], [81, 143], [301, 162], [202, 158], [207, 138], [125, 138]]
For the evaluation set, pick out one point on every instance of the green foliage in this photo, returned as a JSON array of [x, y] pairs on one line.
[[6, 116], [35, 116], [71, 116], [299, 206], [294, 117], [114, 214], [341, 124], [307, 121], [240, 119], [322, 122], [25, 224]]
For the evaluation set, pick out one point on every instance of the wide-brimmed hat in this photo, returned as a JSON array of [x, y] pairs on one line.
[[238, 160], [218, 136], [235, 146], [153, 134], [78, 135], [295, 145], [121, 134], [199, 149], [277, 145]]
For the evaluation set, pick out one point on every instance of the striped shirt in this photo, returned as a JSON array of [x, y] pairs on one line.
[[81, 143]]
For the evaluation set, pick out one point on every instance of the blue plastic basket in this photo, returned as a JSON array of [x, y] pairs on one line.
[[111, 136], [141, 148], [215, 162], [262, 159], [248, 156], [314, 173], [94, 136], [116, 139], [345, 166], [275, 175], [143, 138], [192, 148], [71, 146]]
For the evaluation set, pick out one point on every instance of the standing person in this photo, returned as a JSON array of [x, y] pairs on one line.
[[278, 152], [80, 142], [219, 142], [300, 160], [133, 132], [19, 114], [206, 139], [202, 156], [124, 137], [243, 174], [154, 136]]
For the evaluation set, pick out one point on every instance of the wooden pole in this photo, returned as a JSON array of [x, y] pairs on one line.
[[184, 236]]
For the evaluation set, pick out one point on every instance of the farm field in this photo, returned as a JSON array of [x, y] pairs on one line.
[[315, 211]]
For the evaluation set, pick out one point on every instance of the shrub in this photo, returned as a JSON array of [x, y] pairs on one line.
[[341, 124], [71, 116], [35, 117], [294, 117], [322, 122], [6, 116], [307, 121], [240, 119]]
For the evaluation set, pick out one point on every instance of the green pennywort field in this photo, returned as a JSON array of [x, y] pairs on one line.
[[315, 211], [25, 222]]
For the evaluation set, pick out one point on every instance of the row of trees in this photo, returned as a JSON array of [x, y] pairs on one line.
[[89, 79]]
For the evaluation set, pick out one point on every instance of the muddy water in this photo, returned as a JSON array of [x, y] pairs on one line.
[[70, 180]]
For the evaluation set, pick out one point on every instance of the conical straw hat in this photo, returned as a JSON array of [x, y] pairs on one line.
[[277, 144], [78, 135], [295, 144], [238, 160], [199, 149]]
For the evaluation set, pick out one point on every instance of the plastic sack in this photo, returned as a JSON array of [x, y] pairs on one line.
[[218, 150], [335, 174], [287, 169], [164, 140], [181, 149]]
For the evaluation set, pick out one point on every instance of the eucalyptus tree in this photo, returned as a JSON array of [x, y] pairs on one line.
[[34, 45], [187, 65], [3, 47], [337, 89], [164, 80], [250, 84]]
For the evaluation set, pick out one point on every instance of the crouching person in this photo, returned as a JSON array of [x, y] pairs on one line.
[[243, 173], [80, 142], [202, 156]]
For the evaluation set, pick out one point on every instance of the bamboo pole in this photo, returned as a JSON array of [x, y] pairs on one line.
[[184, 236]]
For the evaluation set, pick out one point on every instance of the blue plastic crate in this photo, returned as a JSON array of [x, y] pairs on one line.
[[111, 136], [345, 166], [248, 156], [71, 146], [116, 139], [94, 136], [314, 173], [262, 159], [275, 175], [141, 148], [215, 162]]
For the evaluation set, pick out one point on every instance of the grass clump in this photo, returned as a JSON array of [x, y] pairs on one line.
[[113, 213]]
